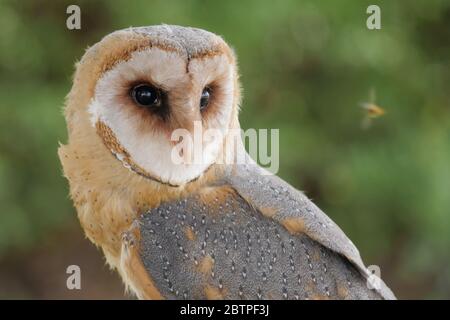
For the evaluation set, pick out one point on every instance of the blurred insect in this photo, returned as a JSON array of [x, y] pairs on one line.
[[371, 110]]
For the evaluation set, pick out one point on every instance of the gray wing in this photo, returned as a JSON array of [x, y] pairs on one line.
[[269, 193], [215, 245]]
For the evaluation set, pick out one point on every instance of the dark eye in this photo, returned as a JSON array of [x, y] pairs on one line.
[[204, 100], [146, 95]]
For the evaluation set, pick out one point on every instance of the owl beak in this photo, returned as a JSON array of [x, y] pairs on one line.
[[184, 117]]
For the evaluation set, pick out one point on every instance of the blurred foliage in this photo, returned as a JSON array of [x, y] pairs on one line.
[[306, 66]]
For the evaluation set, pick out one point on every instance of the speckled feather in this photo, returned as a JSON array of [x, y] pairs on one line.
[[227, 248]]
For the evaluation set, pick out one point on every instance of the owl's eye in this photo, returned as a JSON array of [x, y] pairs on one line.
[[204, 99], [146, 95]]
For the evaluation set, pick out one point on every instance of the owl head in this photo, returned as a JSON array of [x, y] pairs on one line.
[[136, 86]]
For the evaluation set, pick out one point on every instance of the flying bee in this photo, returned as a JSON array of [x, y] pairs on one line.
[[371, 110]]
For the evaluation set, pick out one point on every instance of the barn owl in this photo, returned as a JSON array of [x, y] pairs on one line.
[[207, 230]]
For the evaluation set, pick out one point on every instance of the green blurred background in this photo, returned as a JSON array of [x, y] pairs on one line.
[[306, 66]]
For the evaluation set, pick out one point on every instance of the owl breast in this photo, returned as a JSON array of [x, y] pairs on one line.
[[228, 250]]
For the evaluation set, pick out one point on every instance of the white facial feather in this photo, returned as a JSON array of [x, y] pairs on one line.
[[151, 149]]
